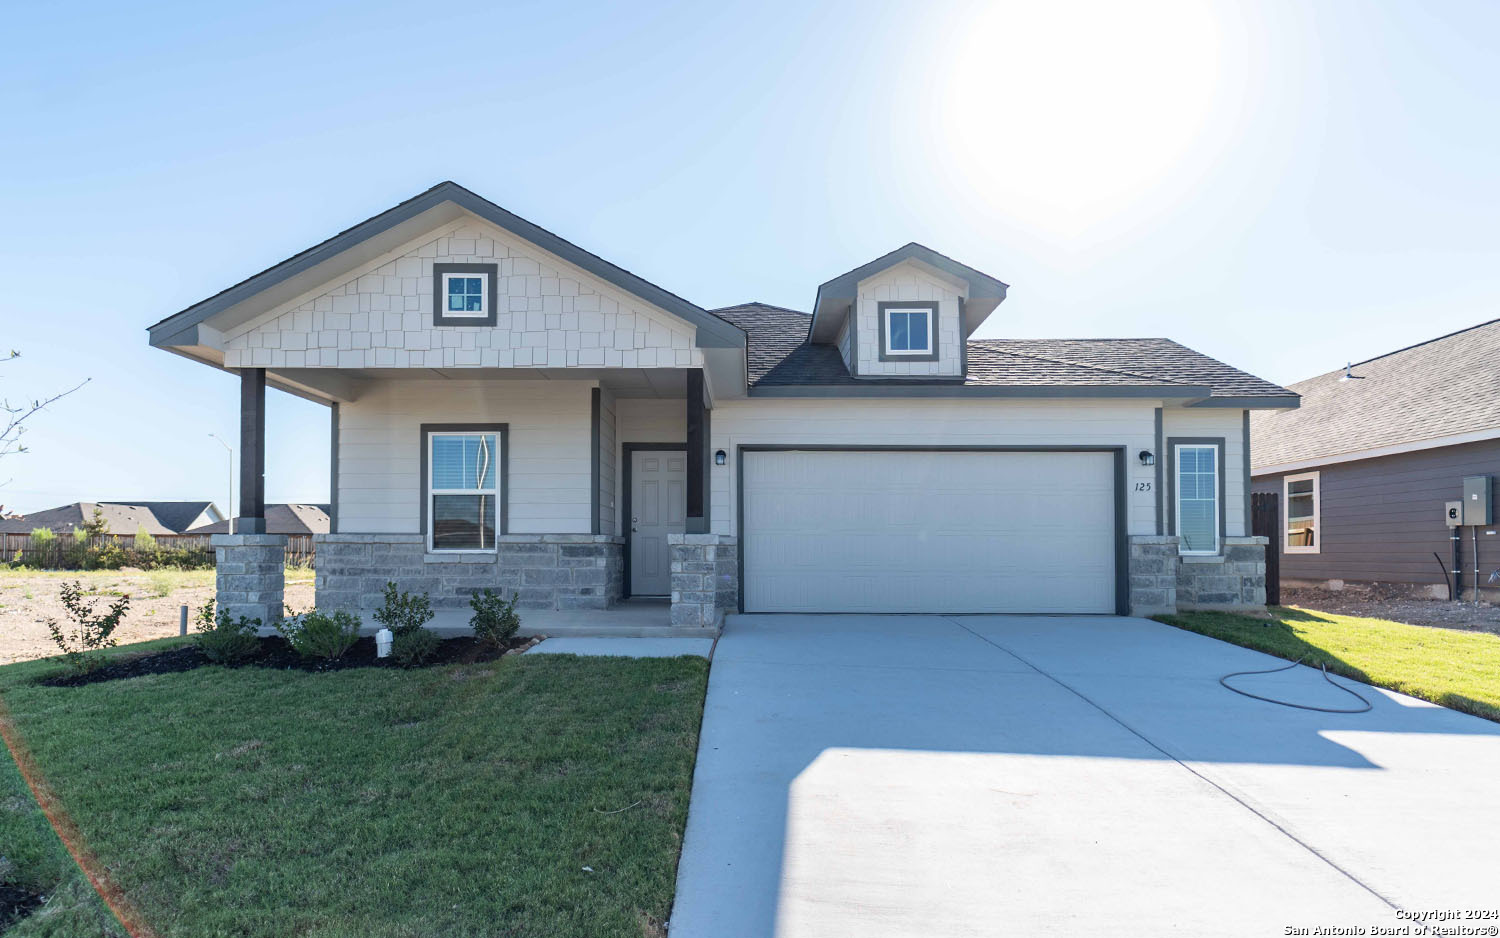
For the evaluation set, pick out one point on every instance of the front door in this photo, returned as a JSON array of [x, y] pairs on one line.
[[658, 507]]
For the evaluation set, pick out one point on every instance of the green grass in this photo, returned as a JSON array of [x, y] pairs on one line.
[[1456, 669], [456, 801]]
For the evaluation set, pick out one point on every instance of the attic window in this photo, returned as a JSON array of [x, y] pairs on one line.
[[463, 294], [908, 331]]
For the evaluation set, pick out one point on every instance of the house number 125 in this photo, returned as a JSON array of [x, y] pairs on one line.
[[1143, 486]]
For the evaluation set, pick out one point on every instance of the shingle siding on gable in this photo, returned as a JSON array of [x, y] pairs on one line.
[[548, 315], [906, 282]]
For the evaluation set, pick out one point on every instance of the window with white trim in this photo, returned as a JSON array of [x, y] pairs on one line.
[[463, 469], [1197, 485], [465, 295], [1300, 495], [908, 331]]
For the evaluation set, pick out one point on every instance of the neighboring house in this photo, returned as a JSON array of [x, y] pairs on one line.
[[1366, 467], [509, 410], [120, 518], [281, 519]]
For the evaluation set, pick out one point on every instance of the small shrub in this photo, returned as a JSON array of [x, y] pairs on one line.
[[41, 537], [143, 539], [80, 536], [317, 634], [96, 526], [495, 619], [224, 640], [88, 632], [402, 612], [415, 647]]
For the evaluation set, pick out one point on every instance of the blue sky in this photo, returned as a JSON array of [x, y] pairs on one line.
[[1282, 185]]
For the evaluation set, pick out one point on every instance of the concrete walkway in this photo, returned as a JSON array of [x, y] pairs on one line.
[[624, 647], [976, 776]]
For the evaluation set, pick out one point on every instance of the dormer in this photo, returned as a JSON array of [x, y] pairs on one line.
[[905, 315]]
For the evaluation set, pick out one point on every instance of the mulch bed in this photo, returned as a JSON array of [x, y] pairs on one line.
[[16, 903], [274, 652]]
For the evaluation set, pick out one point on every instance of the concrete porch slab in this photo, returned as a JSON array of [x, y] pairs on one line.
[[625, 647]]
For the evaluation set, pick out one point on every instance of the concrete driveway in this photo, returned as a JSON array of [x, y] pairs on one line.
[[956, 776]]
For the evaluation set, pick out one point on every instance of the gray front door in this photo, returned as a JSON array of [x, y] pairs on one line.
[[658, 507]]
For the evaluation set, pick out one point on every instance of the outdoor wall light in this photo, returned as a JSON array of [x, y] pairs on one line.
[[720, 458], [1146, 458]]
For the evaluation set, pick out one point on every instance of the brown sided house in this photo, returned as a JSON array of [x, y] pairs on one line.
[[1367, 468]]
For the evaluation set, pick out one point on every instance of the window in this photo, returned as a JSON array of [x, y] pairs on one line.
[[464, 294], [1300, 494], [908, 331], [462, 490], [1197, 484]]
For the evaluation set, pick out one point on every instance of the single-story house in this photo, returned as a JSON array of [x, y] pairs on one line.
[[121, 518], [509, 410], [281, 519], [1366, 470]]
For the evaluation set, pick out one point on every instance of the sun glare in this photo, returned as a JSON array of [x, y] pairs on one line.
[[1067, 114]]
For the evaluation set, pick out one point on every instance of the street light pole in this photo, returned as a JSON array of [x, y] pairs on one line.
[[229, 518]]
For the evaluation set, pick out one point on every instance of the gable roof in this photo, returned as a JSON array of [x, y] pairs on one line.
[[1417, 397], [322, 262], [281, 519], [782, 360], [121, 518], [985, 292]]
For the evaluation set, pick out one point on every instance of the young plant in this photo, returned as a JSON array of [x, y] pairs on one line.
[[317, 634], [495, 619], [413, 648], [224, 640], [88, 631], [403, 612]]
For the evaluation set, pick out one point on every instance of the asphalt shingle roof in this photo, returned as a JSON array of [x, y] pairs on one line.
[[779, 356], [281, 519], [1443, 387], [120, 517]]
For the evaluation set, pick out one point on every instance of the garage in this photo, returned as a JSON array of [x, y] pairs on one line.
[[956, 531]]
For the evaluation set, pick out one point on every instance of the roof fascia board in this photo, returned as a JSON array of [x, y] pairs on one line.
[[1395, 449], [958, 390], [1289, 402]]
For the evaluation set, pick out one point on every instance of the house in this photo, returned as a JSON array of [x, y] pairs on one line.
[[1365, 469], [121, 518], [281, 519], [508, 410]]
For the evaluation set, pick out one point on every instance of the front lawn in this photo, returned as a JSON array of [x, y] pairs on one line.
[[1457, 669], [535, 795]]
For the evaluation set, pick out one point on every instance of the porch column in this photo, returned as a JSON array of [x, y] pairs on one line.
[[697, 454], [252, 518]]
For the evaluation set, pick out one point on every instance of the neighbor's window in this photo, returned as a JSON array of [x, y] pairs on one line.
[[463, 490], [908, 331], [1198, 498], [464, 295], [1301, 497]]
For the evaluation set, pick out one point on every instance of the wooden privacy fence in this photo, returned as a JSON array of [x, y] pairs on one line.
[[1265, 521], [299, 547]]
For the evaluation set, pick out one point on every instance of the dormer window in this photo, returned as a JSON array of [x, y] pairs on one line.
[[463, 294], [908, 331]]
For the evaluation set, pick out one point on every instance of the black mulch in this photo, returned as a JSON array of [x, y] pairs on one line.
[[274, 652], [16, 903]]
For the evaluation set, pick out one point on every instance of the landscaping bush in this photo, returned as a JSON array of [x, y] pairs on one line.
[[41, 537], [317, 634], [224, 640], [495, 619], [403, 612], [143, 539], [410, 649], [88, 632]]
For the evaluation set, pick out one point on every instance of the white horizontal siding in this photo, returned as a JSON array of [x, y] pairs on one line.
[[917, 422], [549, 459], [1217, 422]]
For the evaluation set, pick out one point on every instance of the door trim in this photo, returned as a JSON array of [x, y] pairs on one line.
[[627, 452], [1122, 540]]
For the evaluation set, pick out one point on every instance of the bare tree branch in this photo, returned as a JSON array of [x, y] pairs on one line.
[[15, 416]]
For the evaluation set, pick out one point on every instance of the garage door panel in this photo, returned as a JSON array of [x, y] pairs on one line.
[[929, 532]]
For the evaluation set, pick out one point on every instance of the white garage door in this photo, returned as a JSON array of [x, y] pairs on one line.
[[852, 531]]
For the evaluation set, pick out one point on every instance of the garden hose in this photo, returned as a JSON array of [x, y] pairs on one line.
[[1367, 705]]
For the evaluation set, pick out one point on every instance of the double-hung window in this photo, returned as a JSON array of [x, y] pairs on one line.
[[1301, 498], [908, 331], [463, 490], [1197, 485]]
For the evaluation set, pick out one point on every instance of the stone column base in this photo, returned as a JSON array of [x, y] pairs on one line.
[[1153, 575], [705, 578], [251, 575]]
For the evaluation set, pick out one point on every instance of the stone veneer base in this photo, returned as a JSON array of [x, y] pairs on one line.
[[705, 578], [250, 575]]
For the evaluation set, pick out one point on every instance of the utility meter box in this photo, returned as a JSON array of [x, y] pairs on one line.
[[1477, 501], [1453, 514]]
